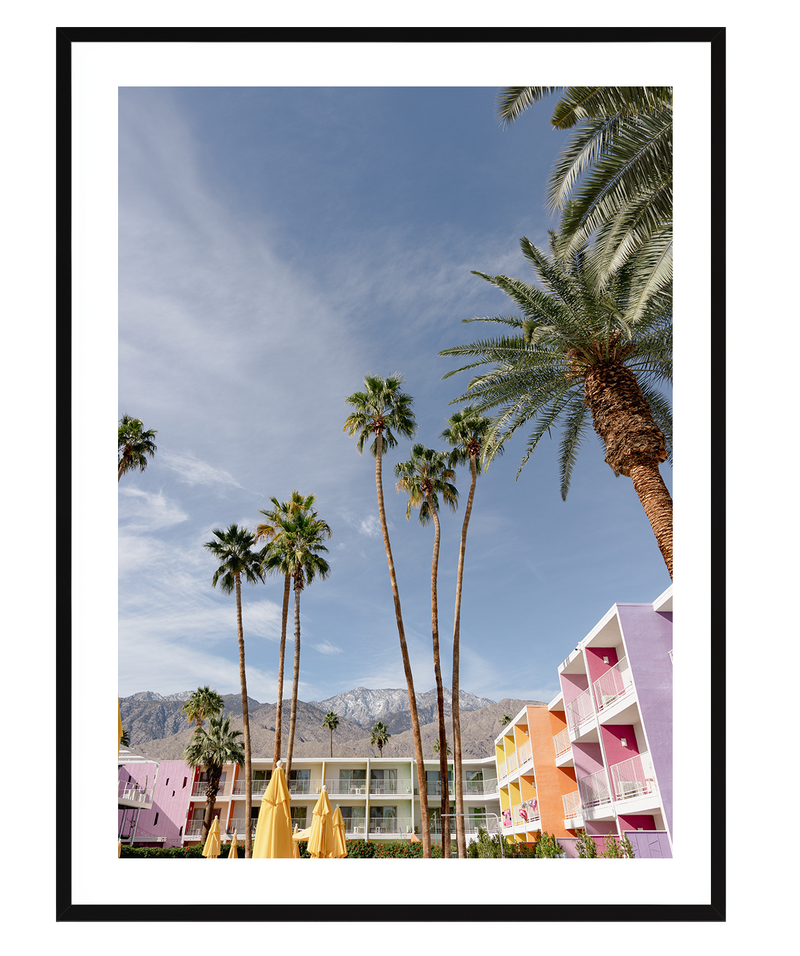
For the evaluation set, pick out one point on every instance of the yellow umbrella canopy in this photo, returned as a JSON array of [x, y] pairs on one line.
[[211, 849], [296, 844], [233, 850], [321, 839], [119, 721], [273, 839], [340, 843]]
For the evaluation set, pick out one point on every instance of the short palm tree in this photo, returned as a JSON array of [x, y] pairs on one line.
[[212, 749], [466, 432], [379, 413], [267, 531], [135, 445], [426, 478], [505, 720], [125, 739], [237, 559], [437, 748], [331, 721], [379, 737], [203, 703], [575, 356], [614, 177], [296, 550]]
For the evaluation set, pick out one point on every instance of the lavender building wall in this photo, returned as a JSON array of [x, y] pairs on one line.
[[167, 817]]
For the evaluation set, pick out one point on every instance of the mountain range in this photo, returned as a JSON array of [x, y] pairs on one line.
[[158, 729]]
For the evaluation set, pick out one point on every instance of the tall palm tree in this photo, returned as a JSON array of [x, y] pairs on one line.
[[237, 559], [203, 703], [331, 721], [212, 749], [380, 412], [466, 432], [267, 531], [135, 445], [296, 549], [379, 737], [575, 357], [614, 176], [426, 477]]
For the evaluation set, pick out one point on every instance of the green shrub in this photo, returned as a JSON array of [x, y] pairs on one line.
[[488, 847], [547, 847]]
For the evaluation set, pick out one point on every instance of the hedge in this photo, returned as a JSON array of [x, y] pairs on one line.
[[356, 850]]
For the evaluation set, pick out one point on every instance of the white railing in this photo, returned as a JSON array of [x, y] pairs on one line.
[[435, 789], [562, 743], [135, 793], [525, 753], [524, 813], [237, 824], [356, 787], [259, 787], [512, 761], [594, 789], [579, 710], [199, 789], [502, 769], [391, 825], [615, 683], [634, 777], [572, 805], [390, 786], [473, 788]]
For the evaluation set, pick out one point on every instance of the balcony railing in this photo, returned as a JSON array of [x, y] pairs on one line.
[[594, 790], [472, 788], [579, 710], [634, 777], [199, 789], [512, 761], [525, 753], [237, 824], [356, 787], [381, 787], [502, 769], [135, 793], [562, 743], [614, 684], [259, 786], [572, 805], [525, 813], [391, 825]]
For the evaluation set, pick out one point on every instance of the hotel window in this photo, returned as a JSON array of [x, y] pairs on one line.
[[474, 781], [299, 817], [382, 819], [353, 780], [434, 781], [354, 819], [299, 781], [260, 780], [383, 781]]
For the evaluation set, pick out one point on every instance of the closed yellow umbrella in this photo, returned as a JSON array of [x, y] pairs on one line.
[[321, 839], [273, 840], [340, 843], [233, 851], [296, 844], [211, 849], [119, 720]]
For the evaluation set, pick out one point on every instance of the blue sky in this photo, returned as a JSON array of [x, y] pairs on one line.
[[275, 245]]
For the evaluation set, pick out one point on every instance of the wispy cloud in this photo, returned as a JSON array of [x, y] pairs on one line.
[[145, 511], [327, 648], [193, 471]]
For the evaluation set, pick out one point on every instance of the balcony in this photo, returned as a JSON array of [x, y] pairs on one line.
[[259, 786], [381, 826], [237, 824], [634, 777], [355, 787], [382, 787], [579, 710], [502, 769], [199, 789], [613, 685], [594, 790], [573, 812], [525, 753], [133, 794], [479, 788], [512, 762], [562, 743], [524, 814]]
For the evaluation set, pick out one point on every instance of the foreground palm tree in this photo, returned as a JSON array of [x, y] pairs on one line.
[[577, 355], [203, 703], [466, 432], [212, 749], [426, 477], [234, 550], [331, 721], [296, 550], [379, 737], [614, 178], [380, 412], [134, 445], [267, 531]]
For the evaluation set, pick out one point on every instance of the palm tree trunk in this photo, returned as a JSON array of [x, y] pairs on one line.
[[425, 824], [635, 445], [248, 776], [276, 753], [437, 670], [461, 838], [211, 801], [295, 678], [657, 504]]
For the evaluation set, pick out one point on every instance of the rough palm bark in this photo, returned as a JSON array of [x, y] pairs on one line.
[[298, 587], [635, 445], [248, 776], [461, 838], [276, 753], [437, 671], [425, 825]]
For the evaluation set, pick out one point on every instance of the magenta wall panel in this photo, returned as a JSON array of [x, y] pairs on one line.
[[167, 816]]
